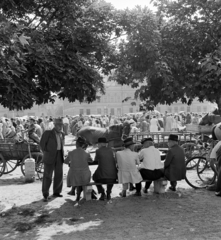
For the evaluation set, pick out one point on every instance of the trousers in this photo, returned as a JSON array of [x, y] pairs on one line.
[[57, 168], [218, 185], [126, 185], [109, 183], [151, 175]]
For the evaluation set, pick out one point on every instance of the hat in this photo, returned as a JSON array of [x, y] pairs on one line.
[[58, 121], [173, 137], [80, 140], [32, 118], [131, 121], [146, 139], [102, 140], [129, 141]]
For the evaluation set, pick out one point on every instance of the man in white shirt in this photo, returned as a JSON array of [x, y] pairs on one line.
[[66, 124], [151, 168]]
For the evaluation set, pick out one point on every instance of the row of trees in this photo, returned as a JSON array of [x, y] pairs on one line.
[[63, 47]]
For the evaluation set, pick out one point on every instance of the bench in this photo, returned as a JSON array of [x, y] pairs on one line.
[[159, 187]]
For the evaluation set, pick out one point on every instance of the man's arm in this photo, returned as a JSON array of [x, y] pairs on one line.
[[67, 159], [44, 140], [169, 158], [96, 158]]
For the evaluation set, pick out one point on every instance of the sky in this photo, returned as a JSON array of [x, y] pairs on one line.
[[121, 4]]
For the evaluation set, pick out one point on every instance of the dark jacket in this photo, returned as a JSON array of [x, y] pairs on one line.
[[106, 164], [174, 165], [48, 144]]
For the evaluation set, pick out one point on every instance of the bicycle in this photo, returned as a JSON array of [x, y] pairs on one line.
[[200, 171]]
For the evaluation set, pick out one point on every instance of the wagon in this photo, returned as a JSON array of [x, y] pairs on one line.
[[13, 154]]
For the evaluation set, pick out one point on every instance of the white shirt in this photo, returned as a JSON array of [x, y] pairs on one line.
[[65, 120], [214, 150], [151, 158], [50, 125]]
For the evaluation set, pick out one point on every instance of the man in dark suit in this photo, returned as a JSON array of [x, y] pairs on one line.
[[52, 145], [174, 165], [106, 171]]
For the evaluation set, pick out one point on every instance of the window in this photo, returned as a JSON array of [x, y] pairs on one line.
[[88, 111], [130, 110], [119, 111], [198, 108], [99, 99], [81, 111], [182, 109], [176, 109], [99, 111], [31, 114], [188, 109], [169, 109], [112, 111], [105, 111], [204, 108]]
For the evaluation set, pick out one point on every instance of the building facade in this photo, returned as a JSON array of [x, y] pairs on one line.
[[111, 103]]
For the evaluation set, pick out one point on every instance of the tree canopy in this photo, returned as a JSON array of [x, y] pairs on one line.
[[58, 47], [62, 47], [173, 54]]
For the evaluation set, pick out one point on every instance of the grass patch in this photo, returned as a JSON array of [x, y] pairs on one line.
[[41, 219], [26, 212], [23, 226]]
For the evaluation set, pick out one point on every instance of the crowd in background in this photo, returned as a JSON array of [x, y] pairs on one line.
[[151, 121]]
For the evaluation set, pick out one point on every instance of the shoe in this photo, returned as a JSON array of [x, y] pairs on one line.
[[218, 194], [145, 190], [71, 193], [108, 197], [132, 188], [46, 198], [78, 199], [123, 193], [93, 195], [103, 196], [57, 195], [137, 194], [172, 189]]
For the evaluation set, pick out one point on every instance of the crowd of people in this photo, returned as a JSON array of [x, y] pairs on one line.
[[147, 122], [125, 167]]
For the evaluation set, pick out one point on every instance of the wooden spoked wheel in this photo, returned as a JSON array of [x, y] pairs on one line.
[[39, 166], [10, 166], [2, 165]]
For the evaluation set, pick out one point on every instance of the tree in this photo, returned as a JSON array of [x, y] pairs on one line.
[[54, 48], [163, 54]]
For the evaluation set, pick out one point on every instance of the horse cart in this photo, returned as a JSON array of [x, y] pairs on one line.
[[13, 154]]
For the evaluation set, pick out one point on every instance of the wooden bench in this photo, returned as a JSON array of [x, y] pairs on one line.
[[159, 187]]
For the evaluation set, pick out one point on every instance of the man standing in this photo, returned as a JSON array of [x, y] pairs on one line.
[[151, 167], [127, 169], [52, 145], [106, 171], [66, 124], [174, 165]]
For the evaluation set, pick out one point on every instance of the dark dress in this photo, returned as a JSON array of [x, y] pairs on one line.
[[106, 171], [174, 165]]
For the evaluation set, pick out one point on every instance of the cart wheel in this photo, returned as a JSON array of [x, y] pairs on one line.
[[10, 166], [39, 166], [2, 165]]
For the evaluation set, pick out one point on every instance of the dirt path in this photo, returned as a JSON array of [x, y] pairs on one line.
[[186, 214]]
